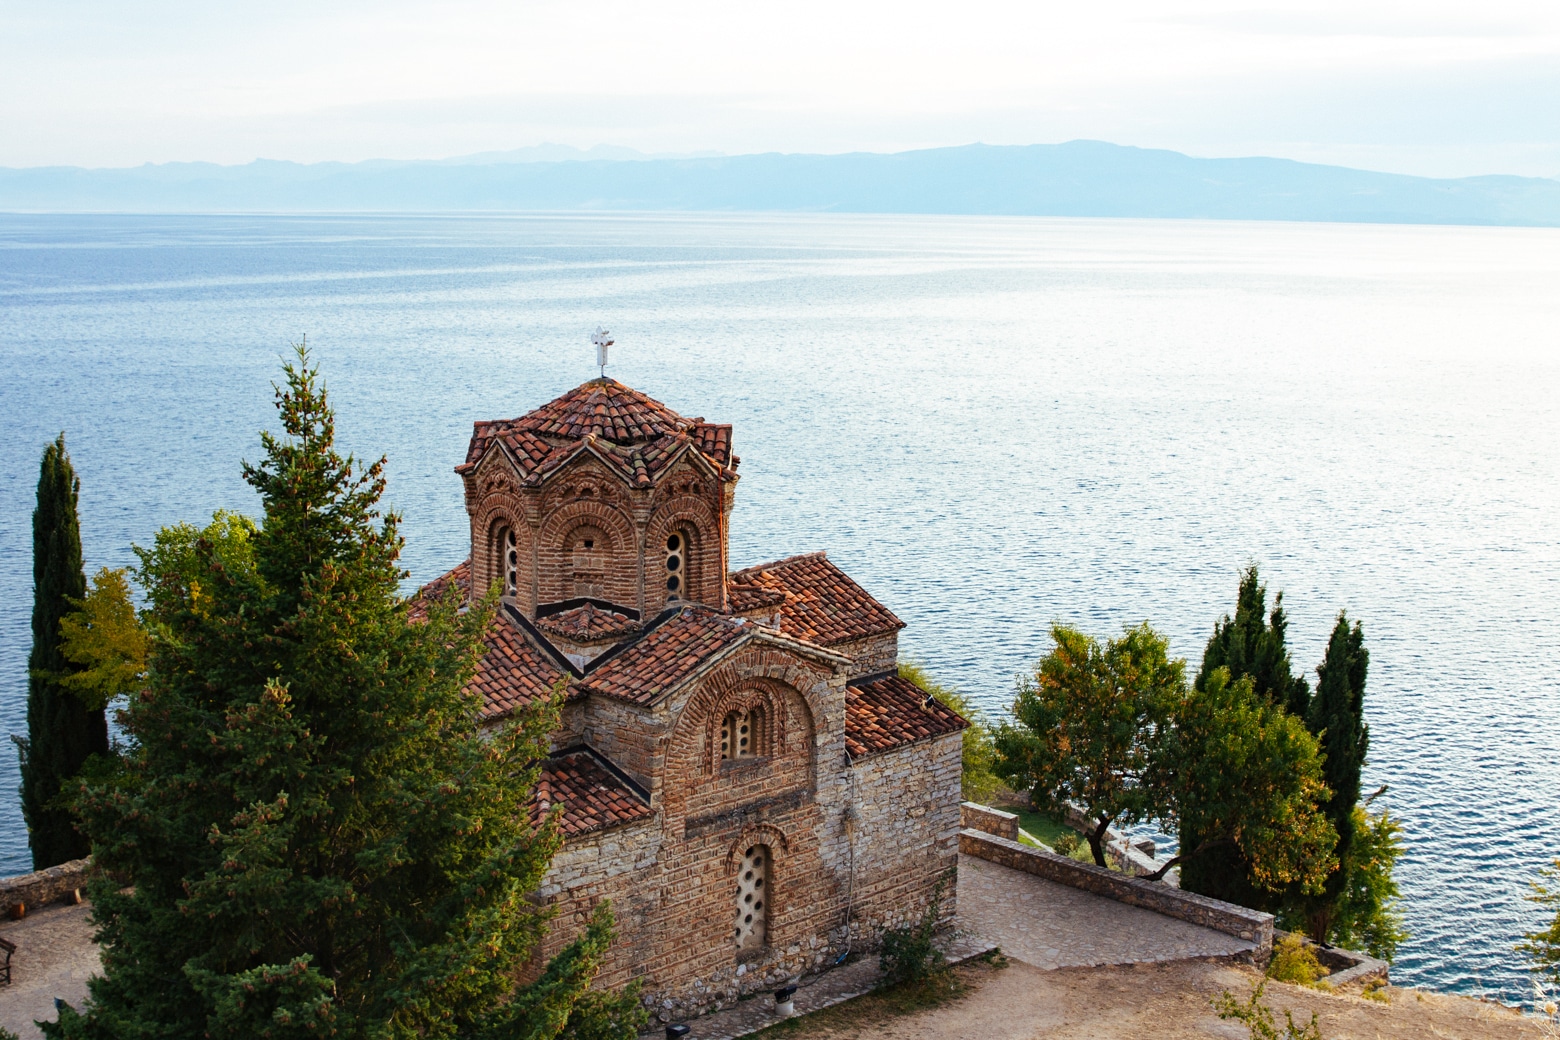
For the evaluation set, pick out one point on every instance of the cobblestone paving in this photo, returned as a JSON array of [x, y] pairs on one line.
[[1053, 926], [55, 956]]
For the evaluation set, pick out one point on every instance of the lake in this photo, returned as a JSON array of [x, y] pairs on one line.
[[992, 424]]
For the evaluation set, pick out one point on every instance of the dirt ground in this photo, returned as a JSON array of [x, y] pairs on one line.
[[1158, 1002]]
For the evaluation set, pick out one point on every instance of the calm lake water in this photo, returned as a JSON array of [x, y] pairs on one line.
[[991, 423]]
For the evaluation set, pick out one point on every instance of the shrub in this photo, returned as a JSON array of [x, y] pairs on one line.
[[1294, 961], [1257, 1017], [909, 954], [1067, 844]]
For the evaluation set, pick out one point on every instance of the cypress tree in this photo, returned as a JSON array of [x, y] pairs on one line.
[[62, 728], [319, 836], [1337, 717], [1250, 645]]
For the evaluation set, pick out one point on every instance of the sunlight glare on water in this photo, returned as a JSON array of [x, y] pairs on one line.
[[990, 423]]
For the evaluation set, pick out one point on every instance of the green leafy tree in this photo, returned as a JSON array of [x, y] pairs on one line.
[[978, 780], [1242, 773], [1365, 913], [63, 729], [1086, 725], [1543, 947], [104, 639], [310, 834], [1250, 645]]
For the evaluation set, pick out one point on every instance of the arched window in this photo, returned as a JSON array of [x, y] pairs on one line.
[[752, 925], [676, 565], [742, 734], [509, 561]]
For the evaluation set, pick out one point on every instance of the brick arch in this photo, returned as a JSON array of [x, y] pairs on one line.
[[496, 511], [703, 564], [554, 560], [767, 696], [758, 834]]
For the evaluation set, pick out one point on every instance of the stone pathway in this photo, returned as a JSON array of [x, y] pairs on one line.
[[55, 956], [1049, 925]]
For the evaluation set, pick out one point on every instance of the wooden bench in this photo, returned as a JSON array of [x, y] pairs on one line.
[[8, 947]]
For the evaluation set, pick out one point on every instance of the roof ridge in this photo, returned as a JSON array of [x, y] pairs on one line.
[[776, 564]]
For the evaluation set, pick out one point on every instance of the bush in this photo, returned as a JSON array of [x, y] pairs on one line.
[[1294, 961], [1257, 1017], [1067, 844], [909, 954]]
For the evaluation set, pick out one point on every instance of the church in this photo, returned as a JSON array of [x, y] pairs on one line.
[[739, 768]]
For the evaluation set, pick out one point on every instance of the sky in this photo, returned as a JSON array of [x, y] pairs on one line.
[[1426, 87]]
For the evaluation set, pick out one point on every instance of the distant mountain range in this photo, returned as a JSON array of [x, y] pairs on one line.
[[1076, 179]]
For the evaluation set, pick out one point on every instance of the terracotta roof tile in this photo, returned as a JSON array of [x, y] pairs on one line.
[[822, 605], [892, 712], [636, 434], [669, 653], [460, 578], [512, 671], [743, 598], [588, 622], [593, 797]]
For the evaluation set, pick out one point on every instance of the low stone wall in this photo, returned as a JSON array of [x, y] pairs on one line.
[[1250, 925], [43, 887], [1344, 966], [974, 816]]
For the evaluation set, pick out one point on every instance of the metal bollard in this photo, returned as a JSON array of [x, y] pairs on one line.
[[785, 1001], [676, 1031]]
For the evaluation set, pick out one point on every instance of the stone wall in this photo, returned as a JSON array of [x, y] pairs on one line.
[[1251, 925], [974, 816], [42, 887], [878, 653], [906, 833]]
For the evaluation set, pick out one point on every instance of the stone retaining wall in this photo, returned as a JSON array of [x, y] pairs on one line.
[[42, 887], [1250, 925], [974, 816]]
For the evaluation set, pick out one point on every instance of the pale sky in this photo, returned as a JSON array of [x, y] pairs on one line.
[[1428, 86]]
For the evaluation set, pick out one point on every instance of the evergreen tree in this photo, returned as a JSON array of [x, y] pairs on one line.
[[1337, 717], [318, 836], [63, 730], [1249, 645], [1252, 644]]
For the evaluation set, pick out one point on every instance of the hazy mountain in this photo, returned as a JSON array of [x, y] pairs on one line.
[[1080, 178]]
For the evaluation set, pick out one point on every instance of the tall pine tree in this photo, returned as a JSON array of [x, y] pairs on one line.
[[1337, 717], [1250, 645], [63, 729], [319, 837]]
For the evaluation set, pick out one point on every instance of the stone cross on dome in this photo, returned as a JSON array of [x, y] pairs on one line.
[[603, 339]]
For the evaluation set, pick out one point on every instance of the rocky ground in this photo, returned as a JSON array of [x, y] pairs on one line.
[[1165, 1001]]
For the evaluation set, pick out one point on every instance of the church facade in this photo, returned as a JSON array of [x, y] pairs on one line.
[[740, 770]]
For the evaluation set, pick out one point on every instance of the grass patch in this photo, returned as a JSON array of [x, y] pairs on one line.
[[907, 998], [1045, 828]]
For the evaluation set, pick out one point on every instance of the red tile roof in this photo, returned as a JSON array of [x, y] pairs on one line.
[[512, 671], [460, 578], [637, 435], [592, 795], [671, 652], [822, 605], [588, 622], [892, 712], [743, 598]]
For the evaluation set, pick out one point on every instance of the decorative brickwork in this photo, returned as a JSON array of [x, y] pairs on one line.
[[748, 813]]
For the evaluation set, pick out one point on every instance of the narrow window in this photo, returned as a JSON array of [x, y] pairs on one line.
[[738, 735], [511, 561], [676, 553], [753, 898]]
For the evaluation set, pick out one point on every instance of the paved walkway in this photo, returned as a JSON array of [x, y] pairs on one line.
[[1049, 925], [55, 956]]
